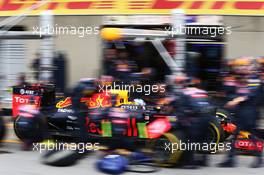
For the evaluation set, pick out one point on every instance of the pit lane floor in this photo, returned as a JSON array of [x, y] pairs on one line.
[[13, 161]]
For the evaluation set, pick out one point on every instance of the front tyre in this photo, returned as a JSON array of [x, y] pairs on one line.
[[165, 149]]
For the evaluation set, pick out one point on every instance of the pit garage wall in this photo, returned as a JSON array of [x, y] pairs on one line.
[[84, 54], [247, 38]]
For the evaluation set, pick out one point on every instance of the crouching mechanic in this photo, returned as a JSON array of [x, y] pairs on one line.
[[194, 112], [84, 88]]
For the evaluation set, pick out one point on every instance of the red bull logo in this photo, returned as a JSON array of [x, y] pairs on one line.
[[99, 100], [64, 103]]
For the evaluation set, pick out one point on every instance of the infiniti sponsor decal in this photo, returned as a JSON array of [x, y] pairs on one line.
[[66, 110], [72, 117]]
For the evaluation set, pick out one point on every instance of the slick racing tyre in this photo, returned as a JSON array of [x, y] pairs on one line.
[[224, 117], [216, 133], [30, 128], [2, 128], [164, 153], [61, 158]]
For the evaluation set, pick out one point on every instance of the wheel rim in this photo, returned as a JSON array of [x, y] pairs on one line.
[[166, 158], [160, 154]]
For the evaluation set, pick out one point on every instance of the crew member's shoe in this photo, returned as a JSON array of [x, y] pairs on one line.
[[190, 167], [257, 163], [227, 164], [26, 146], [201, 163]]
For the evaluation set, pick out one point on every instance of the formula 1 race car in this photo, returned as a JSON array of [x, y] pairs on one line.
[[107, 123]]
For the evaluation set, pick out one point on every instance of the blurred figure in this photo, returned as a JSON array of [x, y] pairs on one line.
[[60, 63], [161, 94], [35, 65], [124, 66], [261, 75], [120, 64], [194, 112], [244, 97], [84, 88], [261, 71], [21, 80], [109, 60]]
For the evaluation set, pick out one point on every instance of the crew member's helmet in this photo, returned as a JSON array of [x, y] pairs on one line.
[[87, 86], [195, 82], [243, 66], [244, 61], [180, 79], [260, 60]]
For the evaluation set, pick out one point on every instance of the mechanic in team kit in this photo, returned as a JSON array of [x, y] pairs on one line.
[[261, 73], [244, 99], [84, 88], [194, 113]]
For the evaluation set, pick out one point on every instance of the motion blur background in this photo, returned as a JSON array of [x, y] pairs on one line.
[[84, 56]]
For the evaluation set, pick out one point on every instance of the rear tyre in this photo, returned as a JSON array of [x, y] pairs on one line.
[[30, 128], [61, 158]]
